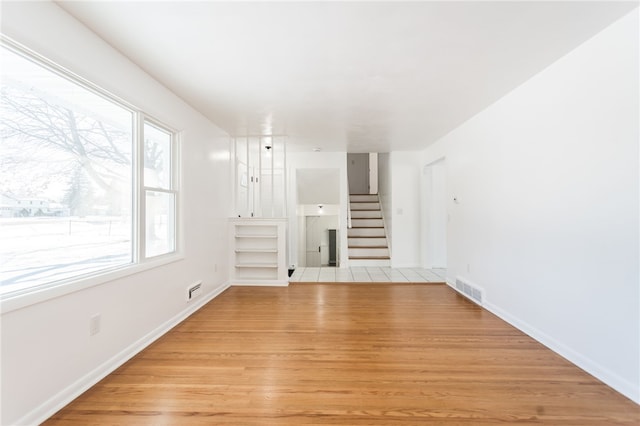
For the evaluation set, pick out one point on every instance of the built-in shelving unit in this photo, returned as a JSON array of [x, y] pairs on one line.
[[259, 247]]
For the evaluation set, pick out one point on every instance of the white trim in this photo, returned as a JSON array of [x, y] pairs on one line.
[[174, 181], [616, 382], [179, 234], [139, 236], [601, 373], [68, 394], [11, 302]]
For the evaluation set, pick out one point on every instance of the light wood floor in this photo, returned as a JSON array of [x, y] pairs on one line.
[[347, 354]]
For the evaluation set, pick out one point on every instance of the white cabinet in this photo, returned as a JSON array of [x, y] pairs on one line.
[[258, 251]]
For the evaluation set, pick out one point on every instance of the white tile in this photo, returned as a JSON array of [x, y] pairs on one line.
[[396, 277], [419, 273], [429, 276], [344, 275], [361, 276], [368, 274], [441, 272], [297, 274], [327, 275], [377, 274], [379, 278], [344, 279], [310, 275], [410, 275]]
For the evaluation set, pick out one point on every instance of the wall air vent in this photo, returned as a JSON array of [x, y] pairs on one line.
[[469, 290], [194, 290]]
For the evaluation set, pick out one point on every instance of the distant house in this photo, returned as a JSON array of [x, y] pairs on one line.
[[14, 206]]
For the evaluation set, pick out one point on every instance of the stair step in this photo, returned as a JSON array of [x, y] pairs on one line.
[[365, 232], [366, 214], [372, 198], [368, 252], [369, 262], [364, 206], [367, 238], [367, 241], [366, 223]]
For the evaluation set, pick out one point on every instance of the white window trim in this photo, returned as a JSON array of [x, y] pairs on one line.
[[22, 298], [142, 188]]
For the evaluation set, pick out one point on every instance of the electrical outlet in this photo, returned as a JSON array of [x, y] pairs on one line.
[[94, 325], [215, 267]]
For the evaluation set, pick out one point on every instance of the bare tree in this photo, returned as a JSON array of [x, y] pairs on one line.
[[56, 141], [36, 123]]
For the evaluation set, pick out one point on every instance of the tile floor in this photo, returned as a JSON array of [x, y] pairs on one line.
[[368, 274]]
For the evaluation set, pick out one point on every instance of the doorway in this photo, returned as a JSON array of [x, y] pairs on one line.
[[317, 195], [318, 242], [435, 216], [358, 173]]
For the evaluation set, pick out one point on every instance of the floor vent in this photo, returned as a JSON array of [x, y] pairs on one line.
[[469, 290]]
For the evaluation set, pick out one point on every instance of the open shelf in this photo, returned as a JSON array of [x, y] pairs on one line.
[[259, 251]]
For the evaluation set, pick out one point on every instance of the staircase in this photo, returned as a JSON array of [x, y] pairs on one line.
[[367, 238]]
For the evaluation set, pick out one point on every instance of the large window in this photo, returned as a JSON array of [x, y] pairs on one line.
[[81, 191]]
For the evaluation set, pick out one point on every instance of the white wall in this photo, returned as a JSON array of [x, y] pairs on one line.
[[399, 186], [316, 160], [47, 354], [547, 223], [373, 173]]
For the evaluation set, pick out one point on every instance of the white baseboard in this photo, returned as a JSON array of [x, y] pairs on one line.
[[609, 378], [71, 392]]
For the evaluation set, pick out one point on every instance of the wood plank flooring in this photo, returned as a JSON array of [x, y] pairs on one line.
[[347, 354]]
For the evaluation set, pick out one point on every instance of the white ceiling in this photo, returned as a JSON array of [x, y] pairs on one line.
[[361, 76]]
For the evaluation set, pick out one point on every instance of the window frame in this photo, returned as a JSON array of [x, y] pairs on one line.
[[24, 297], [142, 188]]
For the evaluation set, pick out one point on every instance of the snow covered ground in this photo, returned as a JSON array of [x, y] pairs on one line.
[[38, 250]]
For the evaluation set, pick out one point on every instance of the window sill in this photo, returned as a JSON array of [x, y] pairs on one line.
[[12, 302]]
